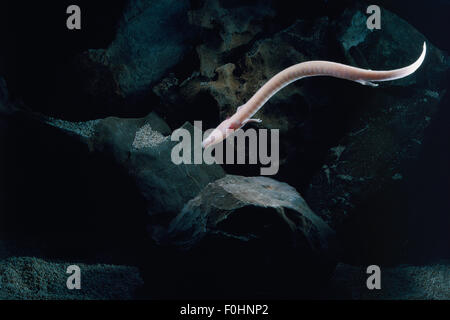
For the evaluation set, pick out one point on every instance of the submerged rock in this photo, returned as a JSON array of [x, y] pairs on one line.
[[228, 29], [27, 278], [367, 175], [248, 237], [152, 37], [143, 148]]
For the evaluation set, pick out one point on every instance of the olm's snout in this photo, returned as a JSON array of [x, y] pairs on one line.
[[215, 137]]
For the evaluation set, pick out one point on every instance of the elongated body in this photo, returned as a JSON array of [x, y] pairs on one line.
[[245, 112]]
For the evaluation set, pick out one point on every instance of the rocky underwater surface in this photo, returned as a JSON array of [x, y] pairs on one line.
[[86, 175]]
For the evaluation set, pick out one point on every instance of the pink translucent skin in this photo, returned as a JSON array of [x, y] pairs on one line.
[[299, 71]]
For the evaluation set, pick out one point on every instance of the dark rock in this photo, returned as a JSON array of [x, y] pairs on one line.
[[229, 28], [389, 127], [26, 278], [248, 237], [116, 135], [148, 43], [369, 170], [143, 148], [429, 199]]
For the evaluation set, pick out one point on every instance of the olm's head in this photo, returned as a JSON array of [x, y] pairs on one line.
[[223, 131]]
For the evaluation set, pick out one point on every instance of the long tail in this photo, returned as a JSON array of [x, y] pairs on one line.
[[326, 68]]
